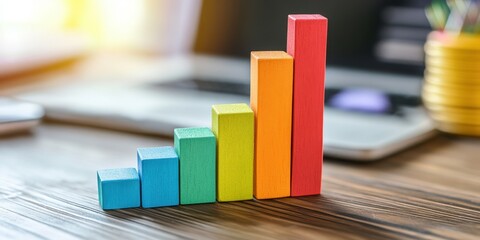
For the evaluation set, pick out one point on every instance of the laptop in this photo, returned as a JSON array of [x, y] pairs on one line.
[[374, 75]]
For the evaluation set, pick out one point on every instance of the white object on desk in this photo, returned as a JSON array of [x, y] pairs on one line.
[[17, 116]]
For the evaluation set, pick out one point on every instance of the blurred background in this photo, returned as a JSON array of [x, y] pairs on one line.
[[385, 32], [152, 65], [121, 25]]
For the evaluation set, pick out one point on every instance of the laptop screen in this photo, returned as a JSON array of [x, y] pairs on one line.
[[372, 34]]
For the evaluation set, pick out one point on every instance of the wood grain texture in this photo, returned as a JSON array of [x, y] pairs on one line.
[[427, 192], [118, 188], [306, 42], [233, 126], [158, 171], [196, 149], [271, 83]]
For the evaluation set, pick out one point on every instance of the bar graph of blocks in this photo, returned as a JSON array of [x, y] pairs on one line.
[[270, 149], [118, 188]]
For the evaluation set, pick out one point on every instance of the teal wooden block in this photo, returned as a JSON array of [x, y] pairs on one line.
[[158, 171], [196, 148], [118, 188]]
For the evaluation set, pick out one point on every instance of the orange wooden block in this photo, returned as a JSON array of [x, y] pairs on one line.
[[271, 100]]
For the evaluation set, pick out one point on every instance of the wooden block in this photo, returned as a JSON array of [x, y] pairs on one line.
[[306, 42], [196, 149], [232, 124], [118, 188], [158, 171], [271, 77]]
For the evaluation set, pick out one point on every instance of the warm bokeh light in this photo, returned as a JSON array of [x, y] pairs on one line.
[[107, 23], [121, 21], [32, 14]]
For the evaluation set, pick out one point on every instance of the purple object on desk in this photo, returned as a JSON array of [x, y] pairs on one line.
[[362, 100]]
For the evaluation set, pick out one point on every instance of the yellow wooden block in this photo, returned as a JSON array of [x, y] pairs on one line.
[[233, 125], [271, 100]]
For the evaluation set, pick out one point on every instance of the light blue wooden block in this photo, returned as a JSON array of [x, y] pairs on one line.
[[118, 188], [158, 171]]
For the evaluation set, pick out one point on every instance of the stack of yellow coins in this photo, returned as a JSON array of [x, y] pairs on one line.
[[451, 90]]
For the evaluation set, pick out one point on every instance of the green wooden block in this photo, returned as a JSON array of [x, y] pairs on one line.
[[196, 148]]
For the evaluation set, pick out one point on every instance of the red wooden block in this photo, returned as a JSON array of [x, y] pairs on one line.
[[306, 42]]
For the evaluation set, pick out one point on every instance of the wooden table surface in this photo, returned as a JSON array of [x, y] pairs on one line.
[[48, 191]]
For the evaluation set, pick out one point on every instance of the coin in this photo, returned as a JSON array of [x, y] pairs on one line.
[[448, 84], [453, 110], [468, 102], [460, 59], [451, 54], [455, 118], [463, 129], [449, 50], [444, 76], [453, 92], [454, 65], [453, 42]]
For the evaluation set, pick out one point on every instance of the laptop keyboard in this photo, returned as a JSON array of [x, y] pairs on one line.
[[374, 101]]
